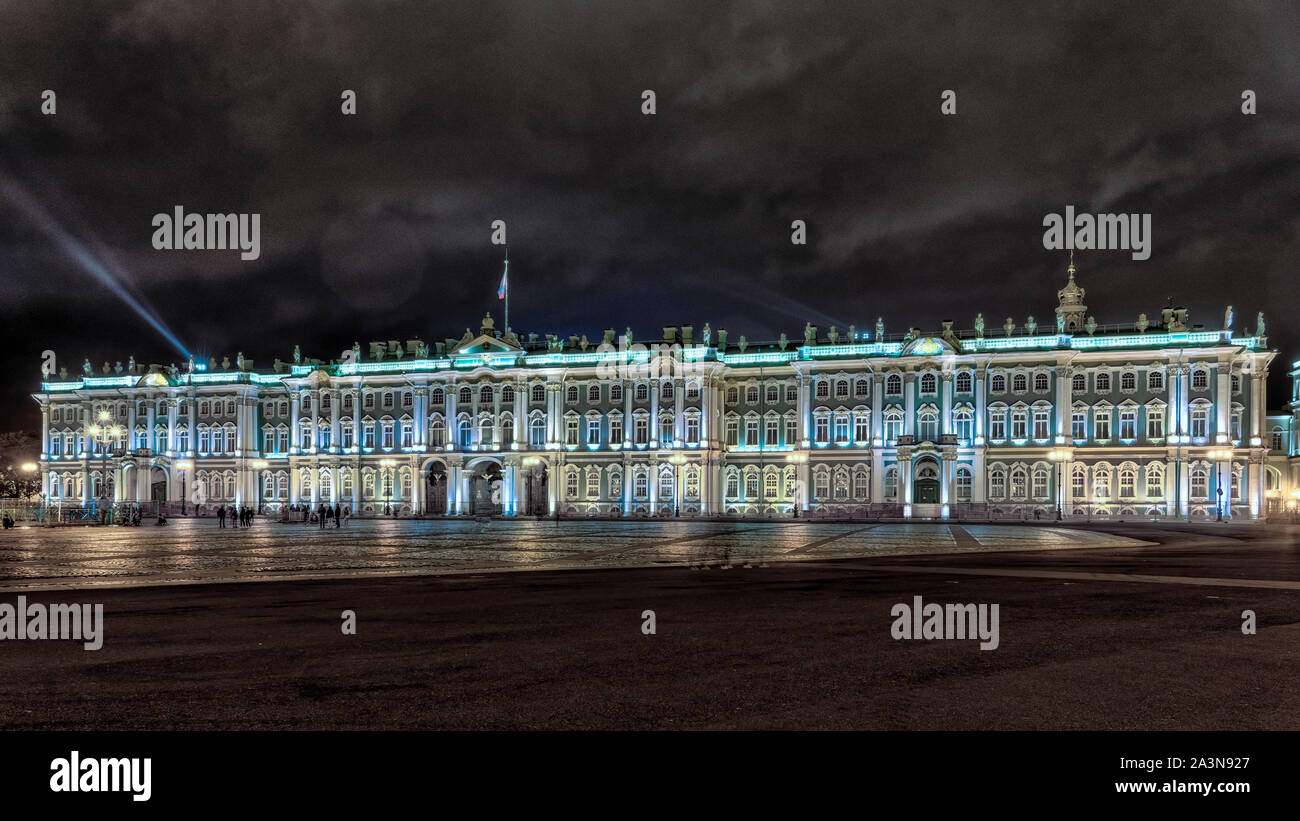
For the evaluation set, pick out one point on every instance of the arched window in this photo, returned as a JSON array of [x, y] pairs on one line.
[[997, 483], [963, 484], [821, 484], [1019, 383], [964, 382], [891, 484], [1155, 481], [538, 393], [928, 429], [466, 396], [1079, 383], [1041, 383], [1101, 483], [1200, 482], [893, 385], [508, 394], [1127, 483], [998, 383], [1155, 380], [1040, 482], [485, 395], [929, 384], [1019, 483]]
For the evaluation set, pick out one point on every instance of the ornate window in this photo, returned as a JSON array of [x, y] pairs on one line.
[[1040, 482], [997, 483], [998, 383], [894, 385], [964, 382], [1079, 383], [1155, 481]]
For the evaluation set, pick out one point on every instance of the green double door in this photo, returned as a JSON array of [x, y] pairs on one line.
[[926, 492]]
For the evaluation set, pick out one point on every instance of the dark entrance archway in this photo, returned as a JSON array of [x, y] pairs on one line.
[[535, 501], [925, 487], [157, 484], [435, 492], [486, 490]]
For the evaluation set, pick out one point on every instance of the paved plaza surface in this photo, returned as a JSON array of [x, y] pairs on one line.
[[1116, 627], [188, 551]]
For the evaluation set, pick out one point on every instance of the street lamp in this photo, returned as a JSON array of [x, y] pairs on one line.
[[27, 467], [183, 466], [102, 434], [387, 464], [259, 465], [1059, 457], [797, 459], [1220, 456], [678, 460]]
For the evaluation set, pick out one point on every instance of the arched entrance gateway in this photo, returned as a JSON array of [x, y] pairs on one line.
[[436, 489], [925, 487], [157, 484], [536, 501], [486, 489]]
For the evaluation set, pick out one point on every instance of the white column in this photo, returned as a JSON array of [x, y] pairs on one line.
[[1222, 401]]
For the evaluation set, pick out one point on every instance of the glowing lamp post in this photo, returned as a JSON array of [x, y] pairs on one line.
[[677, 460], [183, 466], [103, 434], [387, 465], [797, 459], [1058, 457], [259, 465], [1219, 457]]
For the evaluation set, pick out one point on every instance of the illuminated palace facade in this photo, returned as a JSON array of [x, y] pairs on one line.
[[1154, 419]]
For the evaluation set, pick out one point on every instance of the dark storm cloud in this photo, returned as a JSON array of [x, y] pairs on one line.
[[377, 225]]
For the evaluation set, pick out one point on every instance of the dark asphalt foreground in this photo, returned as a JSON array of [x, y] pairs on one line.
[[789, 646], [792, 645]]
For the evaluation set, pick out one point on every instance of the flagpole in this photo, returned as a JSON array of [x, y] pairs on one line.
[[506, 274]]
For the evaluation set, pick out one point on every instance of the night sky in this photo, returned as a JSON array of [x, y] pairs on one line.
[[377, 226]]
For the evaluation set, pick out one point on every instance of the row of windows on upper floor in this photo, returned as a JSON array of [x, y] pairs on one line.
[[845, 428], [824, 388]]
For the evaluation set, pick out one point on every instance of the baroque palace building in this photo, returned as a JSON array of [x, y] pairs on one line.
[[1072, 419]]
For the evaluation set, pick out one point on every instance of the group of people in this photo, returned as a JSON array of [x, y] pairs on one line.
[[322, 515], [8, 521], [239, 517]]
